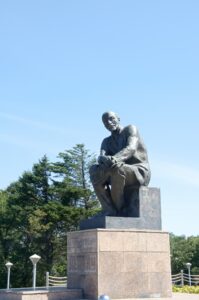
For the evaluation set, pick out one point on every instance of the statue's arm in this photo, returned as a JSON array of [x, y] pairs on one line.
[[104, 158], [131, 145]]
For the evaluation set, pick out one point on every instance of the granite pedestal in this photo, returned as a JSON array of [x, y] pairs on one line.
[[122, 263], [143, 211]]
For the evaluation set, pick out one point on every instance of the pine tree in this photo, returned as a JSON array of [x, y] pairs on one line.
[[74, 171]]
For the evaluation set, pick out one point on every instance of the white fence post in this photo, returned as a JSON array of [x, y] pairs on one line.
[[182, 278], [47, 280]]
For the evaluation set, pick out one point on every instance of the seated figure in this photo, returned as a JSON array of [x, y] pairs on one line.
[[122, 163]]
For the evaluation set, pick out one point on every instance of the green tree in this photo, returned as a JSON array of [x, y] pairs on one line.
[[3, 235], [74, 171], [184, 249], [39, 209], [195, 256], [25, 196]]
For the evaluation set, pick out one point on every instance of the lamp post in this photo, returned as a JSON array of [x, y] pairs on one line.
[[189, 272], [8, 265], [34, 259]]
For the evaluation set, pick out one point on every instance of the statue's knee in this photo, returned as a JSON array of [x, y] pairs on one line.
[[93, 170], [98, 187], [95, 175], [118, 171]]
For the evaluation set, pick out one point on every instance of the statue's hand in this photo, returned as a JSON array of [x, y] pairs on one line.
[[109, 161], [105, 160], [116, 163], [101, 159]]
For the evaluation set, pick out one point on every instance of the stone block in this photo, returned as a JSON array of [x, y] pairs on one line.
[[124, 264], [87, 242], [161, 242], [135, 261], [137, 283], [109, 242], [158, 262], [111, 284], [158, 284], [110, 265], [135, 241], [87, 282], [147, 215]]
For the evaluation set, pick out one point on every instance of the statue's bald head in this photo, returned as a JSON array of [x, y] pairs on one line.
[[111, 120], [106, 114]]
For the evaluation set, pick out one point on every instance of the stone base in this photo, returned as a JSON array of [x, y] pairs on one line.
[[52, 293], [144, 212], [120, 263]]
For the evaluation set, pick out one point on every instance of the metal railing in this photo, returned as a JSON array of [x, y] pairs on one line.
[[55, 281], [185, 279]]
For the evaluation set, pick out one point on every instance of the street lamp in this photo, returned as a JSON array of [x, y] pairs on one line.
[[34, 259], [189, 272], [8, 265]]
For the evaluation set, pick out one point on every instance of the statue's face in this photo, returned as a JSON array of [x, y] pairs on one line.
[[111, 121]]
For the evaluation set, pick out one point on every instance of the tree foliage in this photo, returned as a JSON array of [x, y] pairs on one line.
[[183, 250], [39, 209], [73, 168]]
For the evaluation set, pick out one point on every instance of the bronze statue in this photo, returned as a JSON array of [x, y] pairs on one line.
[[123, 163]]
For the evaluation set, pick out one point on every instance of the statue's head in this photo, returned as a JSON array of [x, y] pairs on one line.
[[111, 120]]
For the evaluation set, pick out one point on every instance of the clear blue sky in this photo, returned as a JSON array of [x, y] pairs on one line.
[[63, 63]]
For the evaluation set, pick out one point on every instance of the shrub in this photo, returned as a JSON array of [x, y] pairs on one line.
[[186, 289]]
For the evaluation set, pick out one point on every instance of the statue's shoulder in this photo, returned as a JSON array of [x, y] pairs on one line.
[[105, 141], [131, 129]]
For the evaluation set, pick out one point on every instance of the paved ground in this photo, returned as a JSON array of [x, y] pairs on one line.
[[176, 296], [183, 296]]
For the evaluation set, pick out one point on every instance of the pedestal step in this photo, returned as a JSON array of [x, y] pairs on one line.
[[51, 294]]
